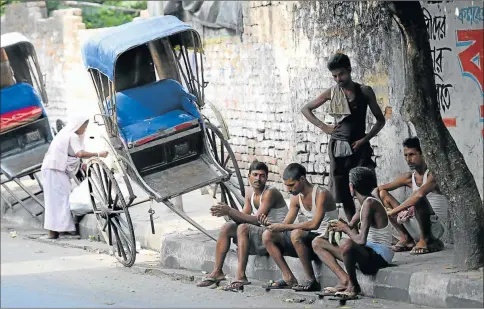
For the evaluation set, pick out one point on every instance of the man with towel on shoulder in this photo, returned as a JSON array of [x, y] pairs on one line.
[[349, 145]]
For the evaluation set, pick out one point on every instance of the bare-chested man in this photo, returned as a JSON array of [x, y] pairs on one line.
[[419, 218], [349, 145], [317, 205], [246, 231], [370, 248]]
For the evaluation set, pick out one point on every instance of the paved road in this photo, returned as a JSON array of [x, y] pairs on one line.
[[36, 274]]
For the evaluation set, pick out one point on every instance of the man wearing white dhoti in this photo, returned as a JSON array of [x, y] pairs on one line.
[[61, 162]]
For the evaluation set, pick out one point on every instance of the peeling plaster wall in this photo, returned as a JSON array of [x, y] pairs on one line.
[[260, 80]]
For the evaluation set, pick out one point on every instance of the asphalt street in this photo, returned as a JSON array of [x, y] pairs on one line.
[[41, 275]]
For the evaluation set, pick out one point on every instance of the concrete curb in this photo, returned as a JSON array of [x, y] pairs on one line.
[[420, 287]]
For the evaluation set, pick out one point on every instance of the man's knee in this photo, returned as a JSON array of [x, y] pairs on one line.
[[319, 243], [228, 228], [383, 194], [346, 246], [297, 236], [267, 237], [243, 229]]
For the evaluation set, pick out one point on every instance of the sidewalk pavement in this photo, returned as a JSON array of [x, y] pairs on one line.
[[428, 280]]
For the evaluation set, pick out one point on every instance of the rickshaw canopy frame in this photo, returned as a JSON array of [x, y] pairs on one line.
[[101, 51]]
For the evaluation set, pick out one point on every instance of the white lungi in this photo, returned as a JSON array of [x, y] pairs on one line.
[[57, 188]]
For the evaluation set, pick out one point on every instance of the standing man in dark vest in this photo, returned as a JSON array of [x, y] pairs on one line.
[[349, 145]]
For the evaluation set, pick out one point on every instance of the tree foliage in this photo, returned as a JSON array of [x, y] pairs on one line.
[[94, 17]]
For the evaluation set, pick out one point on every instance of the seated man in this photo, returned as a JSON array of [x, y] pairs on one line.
[[246, 231], [369, 248], [317, 205], [418, 218]]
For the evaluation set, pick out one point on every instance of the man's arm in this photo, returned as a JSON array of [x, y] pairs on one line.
[[307, 111], [425, 189], [400, 181], [245, 216], [376, 111], [366, 216], [312, 224]]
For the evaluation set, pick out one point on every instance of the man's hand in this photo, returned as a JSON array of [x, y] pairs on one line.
[[328, 129], [356, 145], [277, 227], [263, 220], [220, 210], [338, 226]]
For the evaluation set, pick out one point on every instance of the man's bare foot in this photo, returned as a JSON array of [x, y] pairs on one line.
[[350, 292]]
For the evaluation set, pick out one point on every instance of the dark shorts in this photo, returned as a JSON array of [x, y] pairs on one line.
[[374, 263], [287, 248], [340, 169], [256, 245]]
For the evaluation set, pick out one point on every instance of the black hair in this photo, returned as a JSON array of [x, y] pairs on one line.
[[339, 61], [258, 166], [412, 142], [363, 180], [294, 171]]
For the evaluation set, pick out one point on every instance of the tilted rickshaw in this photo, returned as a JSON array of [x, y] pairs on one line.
[[148, 75], [25, 133]]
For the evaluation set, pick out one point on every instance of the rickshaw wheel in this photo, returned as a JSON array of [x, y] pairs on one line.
[[112, 215], [225, 157]]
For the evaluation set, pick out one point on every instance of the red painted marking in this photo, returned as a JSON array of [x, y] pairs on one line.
[[19, 117], [450, 122], [482, 111], [474, 40]]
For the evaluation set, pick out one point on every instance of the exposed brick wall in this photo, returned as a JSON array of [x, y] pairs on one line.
[[259, 80]]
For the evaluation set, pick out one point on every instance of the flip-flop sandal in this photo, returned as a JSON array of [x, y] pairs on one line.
[[400, 248], [281, 284], [347, 295], [308, 286], [209, 281], [420, 251], [329, 291], [236, 286]]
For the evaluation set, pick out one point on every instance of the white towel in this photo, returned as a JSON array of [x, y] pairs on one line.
[[338, 106]]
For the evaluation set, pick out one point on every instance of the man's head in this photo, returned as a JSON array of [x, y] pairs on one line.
[[340, 67], [413, 153], [362, 181], [294, 177], [258, 173]]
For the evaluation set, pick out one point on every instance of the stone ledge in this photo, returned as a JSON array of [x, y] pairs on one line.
[[427, 280]]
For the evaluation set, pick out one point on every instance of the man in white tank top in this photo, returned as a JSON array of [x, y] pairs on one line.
[[294, 239], [370, 248], [421, 216], [245, 229]]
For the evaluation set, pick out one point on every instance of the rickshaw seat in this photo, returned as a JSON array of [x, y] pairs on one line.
[[20, 104], [148, 109]]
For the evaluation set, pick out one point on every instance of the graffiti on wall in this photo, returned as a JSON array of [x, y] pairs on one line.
[[437, 31], [471, 58]]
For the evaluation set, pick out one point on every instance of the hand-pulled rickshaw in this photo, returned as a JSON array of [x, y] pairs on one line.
[[148, 75], [25, 133]]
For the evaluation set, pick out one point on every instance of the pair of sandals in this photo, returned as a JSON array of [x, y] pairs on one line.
[[307, 286]]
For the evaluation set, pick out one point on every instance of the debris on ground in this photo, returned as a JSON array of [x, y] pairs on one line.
[[294, 300], [13, 234]]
